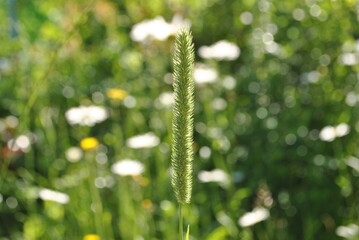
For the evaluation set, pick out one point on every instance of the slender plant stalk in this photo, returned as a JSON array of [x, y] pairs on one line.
[[180, 210], [182, 125], [95, 195]]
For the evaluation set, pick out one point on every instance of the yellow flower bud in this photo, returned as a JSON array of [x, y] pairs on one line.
[[89, 143], [116, 94], [92, 237]]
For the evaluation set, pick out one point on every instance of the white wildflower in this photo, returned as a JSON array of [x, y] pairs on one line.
[[351, 99], [157, 28], [147, 140], [329, 133], [353, 162], [349, 59], [246, 18], [86, 116], [251, 218], [222, 50], [73, 154], [216, 175], [11, 121], [128, 167], [166, 99], [51, 195], [219, 103], [350, 231], [22, 143], [204, 74], [342, 130], [205, 152]]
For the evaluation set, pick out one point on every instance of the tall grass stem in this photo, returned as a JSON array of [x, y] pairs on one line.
[[180, 210]]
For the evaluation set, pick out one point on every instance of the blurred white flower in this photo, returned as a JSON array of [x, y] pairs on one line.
[[86, 116], [166, 205], [349, 59], [310, 77], [350, 231], [51, 195], [11, 121], [216, 175], [166, 99], [129, 102], [128, 167], [222, 50], [298, 14], [251, 218], [219, 103], [205, 152], [178, 22], [342, 129], [353, 162], [204, 74], [246, 18], [351, 99], [73, 154], [272, 47], [329, 133], [22, 143], [229, 82], [147, 140], [157, 28]]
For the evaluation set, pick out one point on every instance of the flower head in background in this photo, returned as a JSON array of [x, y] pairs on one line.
[[116, 94], [128, 167], [86, 115], [73, 154], [22, 143], [204, 74], [222, 50], [350, 56], [349, 232], [147, 140], [11, 122], [349, 59], [89, 143], [353, 162], [165, 100], [251, 218], [91, 237], [157, 28], [216, 175], [329, 133], [51, 195]]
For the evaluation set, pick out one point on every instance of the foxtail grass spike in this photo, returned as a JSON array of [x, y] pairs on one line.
[[182, 125]]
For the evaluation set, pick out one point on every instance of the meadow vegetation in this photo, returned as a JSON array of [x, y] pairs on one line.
[[86, 97]]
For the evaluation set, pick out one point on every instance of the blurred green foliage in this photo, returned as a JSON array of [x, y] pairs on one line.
[[297, 73]]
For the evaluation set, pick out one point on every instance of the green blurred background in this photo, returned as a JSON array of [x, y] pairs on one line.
[[276, 119]]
